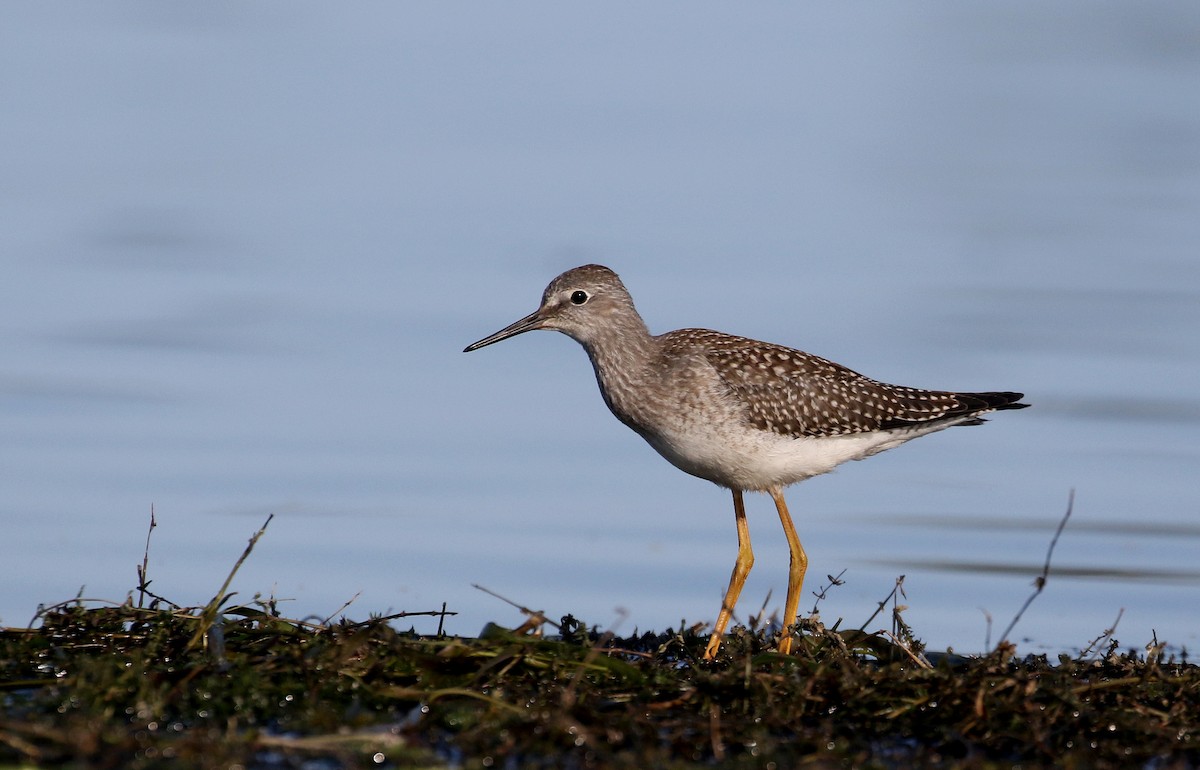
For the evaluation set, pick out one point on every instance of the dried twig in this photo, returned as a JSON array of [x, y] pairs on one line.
[[1040, 583], [341, 609], [535, 616], [1108, 632], [820, 594], [208, 617], [883, 603], [143, 583]]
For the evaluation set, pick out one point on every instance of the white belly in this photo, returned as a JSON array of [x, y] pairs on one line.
[[762, 460]]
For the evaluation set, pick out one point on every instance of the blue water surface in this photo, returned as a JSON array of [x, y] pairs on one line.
[[244, 244]]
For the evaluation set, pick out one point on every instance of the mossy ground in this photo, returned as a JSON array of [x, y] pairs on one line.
[[129, 687], [149, 684]]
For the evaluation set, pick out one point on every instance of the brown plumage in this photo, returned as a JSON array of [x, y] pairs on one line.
[[794, 393], [744, 414]]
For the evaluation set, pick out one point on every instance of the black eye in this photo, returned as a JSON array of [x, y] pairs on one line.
[[579, 297]]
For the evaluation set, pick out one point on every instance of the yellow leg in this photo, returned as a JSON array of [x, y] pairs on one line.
[[741, 569], [796, 569]]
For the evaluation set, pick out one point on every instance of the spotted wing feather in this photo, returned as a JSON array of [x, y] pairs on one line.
[[793, 393]]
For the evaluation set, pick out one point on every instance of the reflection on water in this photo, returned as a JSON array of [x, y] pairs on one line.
[[1140, 529], [1174, 411], [1077, 525], [980, 567]]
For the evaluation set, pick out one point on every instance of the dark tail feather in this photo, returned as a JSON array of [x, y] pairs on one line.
[[987, 402], [998, 401]]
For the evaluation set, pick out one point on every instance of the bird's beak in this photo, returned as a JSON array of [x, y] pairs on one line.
[[526, 324]]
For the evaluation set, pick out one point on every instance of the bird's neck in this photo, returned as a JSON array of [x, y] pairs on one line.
[[624, 356], [622, 343]]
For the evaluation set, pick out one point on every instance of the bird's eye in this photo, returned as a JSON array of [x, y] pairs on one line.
[[579, 297]]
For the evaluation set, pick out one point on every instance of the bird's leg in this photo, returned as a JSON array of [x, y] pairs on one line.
[[796, 570], [741, 568]]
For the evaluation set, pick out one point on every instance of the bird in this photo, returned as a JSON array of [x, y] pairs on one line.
[[749, 416]]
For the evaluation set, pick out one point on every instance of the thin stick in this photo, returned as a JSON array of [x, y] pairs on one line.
[[1108, 632], [920, 660], [1040, 583], [533, 614], [882, 604], [143, 583], [834, 581], [341, 609], [442, 613], [209, 615]]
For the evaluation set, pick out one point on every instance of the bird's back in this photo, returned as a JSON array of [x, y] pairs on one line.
[[797, 394]]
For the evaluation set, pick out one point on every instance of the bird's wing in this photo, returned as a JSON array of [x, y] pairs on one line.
[[794, 393]]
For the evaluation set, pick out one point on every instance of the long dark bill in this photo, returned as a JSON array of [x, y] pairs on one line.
[[526, 324]]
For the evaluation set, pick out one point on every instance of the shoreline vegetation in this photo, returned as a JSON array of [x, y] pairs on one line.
[[150, 684]]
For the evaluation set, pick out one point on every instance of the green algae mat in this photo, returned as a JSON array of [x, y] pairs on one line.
[[150, 684], [133, 687]]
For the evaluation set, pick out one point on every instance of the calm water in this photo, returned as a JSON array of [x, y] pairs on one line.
[[244, 245]]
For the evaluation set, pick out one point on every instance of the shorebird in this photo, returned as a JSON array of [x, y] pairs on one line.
[[743, 414]]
